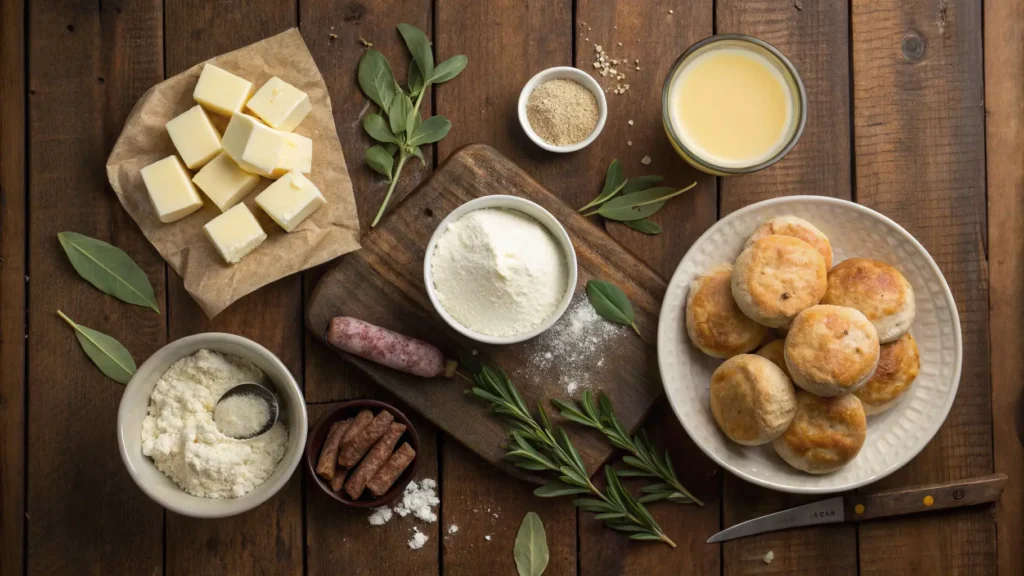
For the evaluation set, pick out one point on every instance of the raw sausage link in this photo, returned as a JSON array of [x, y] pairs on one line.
[[385, 347]]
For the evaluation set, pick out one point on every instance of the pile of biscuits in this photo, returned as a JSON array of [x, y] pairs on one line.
[[841, 335]]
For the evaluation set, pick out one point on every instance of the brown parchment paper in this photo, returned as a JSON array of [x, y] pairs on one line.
[[331, 231]]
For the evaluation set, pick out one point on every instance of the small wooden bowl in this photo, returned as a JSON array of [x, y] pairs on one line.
[[318, 434]]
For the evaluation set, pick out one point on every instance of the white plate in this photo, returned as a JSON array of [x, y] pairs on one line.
[[895, 436]]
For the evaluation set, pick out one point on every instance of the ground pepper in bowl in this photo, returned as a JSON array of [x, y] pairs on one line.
[[562, 112]]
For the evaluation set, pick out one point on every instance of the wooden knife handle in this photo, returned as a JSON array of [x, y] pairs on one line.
[[967, 492]]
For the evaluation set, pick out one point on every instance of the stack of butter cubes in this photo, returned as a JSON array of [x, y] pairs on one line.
[[230, 166]]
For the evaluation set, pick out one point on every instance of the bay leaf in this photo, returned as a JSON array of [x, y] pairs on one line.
[[611, 303], [645, 226], [376, 79], [109, 269], [106, 353], [531, 548], [639, 205], [614, 181], [419, 46]]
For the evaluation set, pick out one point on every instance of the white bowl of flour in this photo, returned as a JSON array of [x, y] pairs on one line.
[[500, 269], [175, 455]]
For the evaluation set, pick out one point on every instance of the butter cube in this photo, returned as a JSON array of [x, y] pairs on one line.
[[195, 137], [170, 190], [224, 182], [252, 145], [290, 200], [220, 91], [280, 105], [296, 154], [235, 233]]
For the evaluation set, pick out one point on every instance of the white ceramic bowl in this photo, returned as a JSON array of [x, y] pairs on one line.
[[569, 73], [135, 402], [894, 437], [530, 209]]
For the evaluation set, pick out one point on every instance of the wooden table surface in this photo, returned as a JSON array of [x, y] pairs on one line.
[[915, 110]]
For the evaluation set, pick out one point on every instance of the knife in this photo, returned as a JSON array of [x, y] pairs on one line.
[[859, 507]]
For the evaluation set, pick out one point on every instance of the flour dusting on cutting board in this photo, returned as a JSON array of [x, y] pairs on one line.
[[573, 351]]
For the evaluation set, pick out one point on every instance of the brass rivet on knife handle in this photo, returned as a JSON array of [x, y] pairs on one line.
[[967, 492]]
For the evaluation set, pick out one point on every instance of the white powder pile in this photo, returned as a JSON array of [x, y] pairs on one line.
[[572, 351], [380, 516], [241, 416], [418, 539], [499, 272], [179, 433], [453, 529], [418, 500]]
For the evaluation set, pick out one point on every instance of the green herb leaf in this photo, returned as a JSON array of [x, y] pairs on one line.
[[614, 181], [611, 303], [531, 549], [555, 489], [645, 226], [376, 79], [431, 130], [417, 152], [638, 205], [108, 268], [398, 113], [641, 183], [449, 69], [377, 127], [419, 47], [415, 80], [379, 160], [106, 353]]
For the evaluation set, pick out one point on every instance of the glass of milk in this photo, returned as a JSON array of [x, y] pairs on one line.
[[733, 104]]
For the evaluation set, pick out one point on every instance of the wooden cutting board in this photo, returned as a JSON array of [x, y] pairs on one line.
[[383, 284]]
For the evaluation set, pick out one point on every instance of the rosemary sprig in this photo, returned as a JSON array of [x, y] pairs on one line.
[[537, 446], [642, 458]]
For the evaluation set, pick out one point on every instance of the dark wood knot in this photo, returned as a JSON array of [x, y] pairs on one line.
[[912, 46]]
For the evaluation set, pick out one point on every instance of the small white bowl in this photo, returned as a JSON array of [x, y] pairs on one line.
[[530, 209], [135, 403], [569, 73]]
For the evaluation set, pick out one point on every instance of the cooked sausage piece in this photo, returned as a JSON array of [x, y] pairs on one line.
[[339, 479], [329, 453], [388, 348], [391, 470], [374, 459], [351, 452]]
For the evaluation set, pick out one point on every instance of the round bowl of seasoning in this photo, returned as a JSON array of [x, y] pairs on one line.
[[562, 109]]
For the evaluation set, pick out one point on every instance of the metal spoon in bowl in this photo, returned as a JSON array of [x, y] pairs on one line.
[[246, 411]]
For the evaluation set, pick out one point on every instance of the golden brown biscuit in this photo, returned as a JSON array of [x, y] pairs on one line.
[[831, 350], [898, 365], [714, 322], [826, 433], [752, 401], [776, 352], [776, 277], [876, 289], [797, 228]]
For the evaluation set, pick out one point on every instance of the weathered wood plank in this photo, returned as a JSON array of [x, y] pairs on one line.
[[13, 242], [507, 42], [815, 37], [1004, 135], [267, 540], [648, 32], [88, 64], [919, 138]]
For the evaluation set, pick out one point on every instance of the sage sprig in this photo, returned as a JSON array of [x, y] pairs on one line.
[[642, 458], [638, 205], [108, 268], [531, 548], [631, 201], [611, 303], [398, 125], [106, 353], [537, 446]]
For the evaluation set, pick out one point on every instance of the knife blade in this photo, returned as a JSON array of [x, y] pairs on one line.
[[860, 507]]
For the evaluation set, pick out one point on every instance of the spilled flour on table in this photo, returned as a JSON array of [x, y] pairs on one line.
[[573, 347], [419, 500]]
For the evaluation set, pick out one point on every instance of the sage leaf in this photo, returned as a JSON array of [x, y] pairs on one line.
[[415, 80], [377, 127], [419, 154], [109, 269], [614, 181], [448, 69], [419, 47], [431, 130], [645, 226], [638, 205], [531, 549], [106, 353], [398, 113], [641, 183], [412, 121], [376, 79], [611, 303], [378, 158]]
